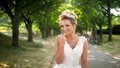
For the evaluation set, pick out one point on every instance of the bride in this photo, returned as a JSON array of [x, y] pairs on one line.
[[70, 50]]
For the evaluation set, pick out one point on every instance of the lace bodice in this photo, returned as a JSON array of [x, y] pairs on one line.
[[72, 56]]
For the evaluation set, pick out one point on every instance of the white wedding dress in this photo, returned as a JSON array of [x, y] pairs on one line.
[[72, 56]]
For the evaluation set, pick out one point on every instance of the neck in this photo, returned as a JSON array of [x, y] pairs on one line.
[[70, 35]]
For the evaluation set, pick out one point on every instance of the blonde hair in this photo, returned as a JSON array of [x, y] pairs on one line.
[[67, 14]]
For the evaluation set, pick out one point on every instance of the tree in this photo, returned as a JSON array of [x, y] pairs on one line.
[[28, 24], [109, 20], [27, 15], [103, 9], [14, 9], [107, 5], [11, 7]]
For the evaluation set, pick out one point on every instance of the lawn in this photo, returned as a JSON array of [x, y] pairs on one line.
[[111, 47], [28, 55]]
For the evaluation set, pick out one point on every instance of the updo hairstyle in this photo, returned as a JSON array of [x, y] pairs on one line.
[[67, 14]]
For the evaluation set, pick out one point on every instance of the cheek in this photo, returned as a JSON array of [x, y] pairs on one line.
[[71, 28]]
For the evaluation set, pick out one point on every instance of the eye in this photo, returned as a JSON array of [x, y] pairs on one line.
[[67, 25]]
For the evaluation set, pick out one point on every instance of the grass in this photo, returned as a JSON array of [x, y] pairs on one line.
[[28, 55], [111, 47]]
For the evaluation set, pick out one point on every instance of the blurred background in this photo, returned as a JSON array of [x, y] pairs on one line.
[[28, 29]]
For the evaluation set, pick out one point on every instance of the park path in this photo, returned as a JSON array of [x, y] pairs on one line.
[[99, 59], [96, 58]]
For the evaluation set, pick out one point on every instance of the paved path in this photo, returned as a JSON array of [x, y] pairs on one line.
[[98, 59]]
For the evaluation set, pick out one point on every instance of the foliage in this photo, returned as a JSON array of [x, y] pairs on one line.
[[46, 18]]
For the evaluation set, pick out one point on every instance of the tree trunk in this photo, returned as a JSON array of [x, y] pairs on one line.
[[29, 30], [28, 24], [86, 30], [109, 22], [94, 33], [101, 37], [13, 13], [81, 31], [47, 32], [15, 26], [15, 30], [100, 33], [54, 31], [42, 32]]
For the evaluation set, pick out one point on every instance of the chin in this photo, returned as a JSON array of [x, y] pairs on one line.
[[67, 33]]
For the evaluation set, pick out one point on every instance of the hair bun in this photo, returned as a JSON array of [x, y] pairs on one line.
[[67, 13]]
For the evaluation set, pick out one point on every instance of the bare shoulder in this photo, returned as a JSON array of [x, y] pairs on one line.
[[82, 37], [85, 41]]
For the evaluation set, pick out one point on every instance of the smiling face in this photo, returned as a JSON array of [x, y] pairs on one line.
[[67, 27]]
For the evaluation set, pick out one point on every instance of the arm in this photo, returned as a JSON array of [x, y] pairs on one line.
[[84, 55], [59, 51]]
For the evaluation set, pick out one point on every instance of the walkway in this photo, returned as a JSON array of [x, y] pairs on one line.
[[98, 59]]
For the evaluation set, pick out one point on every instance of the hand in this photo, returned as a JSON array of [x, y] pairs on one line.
[[61, 40], [59, 49]]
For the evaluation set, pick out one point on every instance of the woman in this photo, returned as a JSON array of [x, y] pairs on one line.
[[70, 49]]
